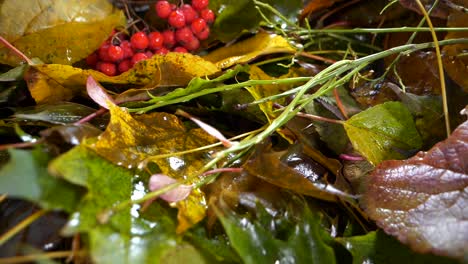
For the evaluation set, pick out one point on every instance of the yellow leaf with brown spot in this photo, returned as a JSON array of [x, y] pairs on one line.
[[55, 82], [244, 51], [129, 141]]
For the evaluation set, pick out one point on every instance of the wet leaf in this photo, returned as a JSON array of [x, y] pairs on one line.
[[379, 248], [245, 51], [259, 240], [383, 132], [71, 134], [235, 17], [308, 180], [25, 176], [140, 137], [150, 239], [56, 31], [14, 74], [421, 200], [107, 185], [56, 82], [59, 113]]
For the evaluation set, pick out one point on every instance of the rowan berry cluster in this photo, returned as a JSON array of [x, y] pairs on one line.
[[188, 24]]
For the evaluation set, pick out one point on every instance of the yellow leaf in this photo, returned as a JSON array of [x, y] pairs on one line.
[[55, 82], [128, 141], [56, 31], [247, 50]]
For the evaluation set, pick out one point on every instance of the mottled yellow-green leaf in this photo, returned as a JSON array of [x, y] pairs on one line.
[[56, 31], [247, 50], [128, 141], [383, 132], [56, 82]]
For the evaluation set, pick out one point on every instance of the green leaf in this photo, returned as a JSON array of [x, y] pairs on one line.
[[25, 176], [378, 248], [56, 31], [237, 16], [107, 185], [383, 132], [304, 242]]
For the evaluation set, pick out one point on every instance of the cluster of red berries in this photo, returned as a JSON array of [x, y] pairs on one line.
[[188, 24]]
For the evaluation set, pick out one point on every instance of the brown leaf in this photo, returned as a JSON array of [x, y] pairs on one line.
[[423, 200], [304, 178], [455, 64]]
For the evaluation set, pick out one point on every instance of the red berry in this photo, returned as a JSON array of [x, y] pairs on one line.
[[103, 53], [92, 59], [161, 51], [127, 49], [124, 66], [192, 45], [200, 4], [204, 34], [156, 40], [208, 15], [189, 13], [138, 57], [163, 9], [176, 19], [139, 41], [169, 38], [180, 50], [115, 53], [184, 35], [108, 68], [198, 25]]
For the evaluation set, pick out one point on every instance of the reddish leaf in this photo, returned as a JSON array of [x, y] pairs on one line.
[[179, 193], [97, 93], [423, 200]]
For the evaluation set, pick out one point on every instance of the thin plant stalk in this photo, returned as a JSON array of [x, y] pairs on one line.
[[440, 67], [43, 256], [20, 226]]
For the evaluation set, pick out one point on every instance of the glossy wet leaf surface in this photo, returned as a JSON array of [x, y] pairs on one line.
[[374, 248], [141, 137], [421, 201], [56, 31], [256, 242], [383, 132]]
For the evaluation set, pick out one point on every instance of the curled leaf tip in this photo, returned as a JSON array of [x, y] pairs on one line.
[[179, 193], [98, 94]]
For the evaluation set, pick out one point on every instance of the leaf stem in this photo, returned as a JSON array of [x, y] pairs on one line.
[[20, 226], [16, 51], [206, 91]]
